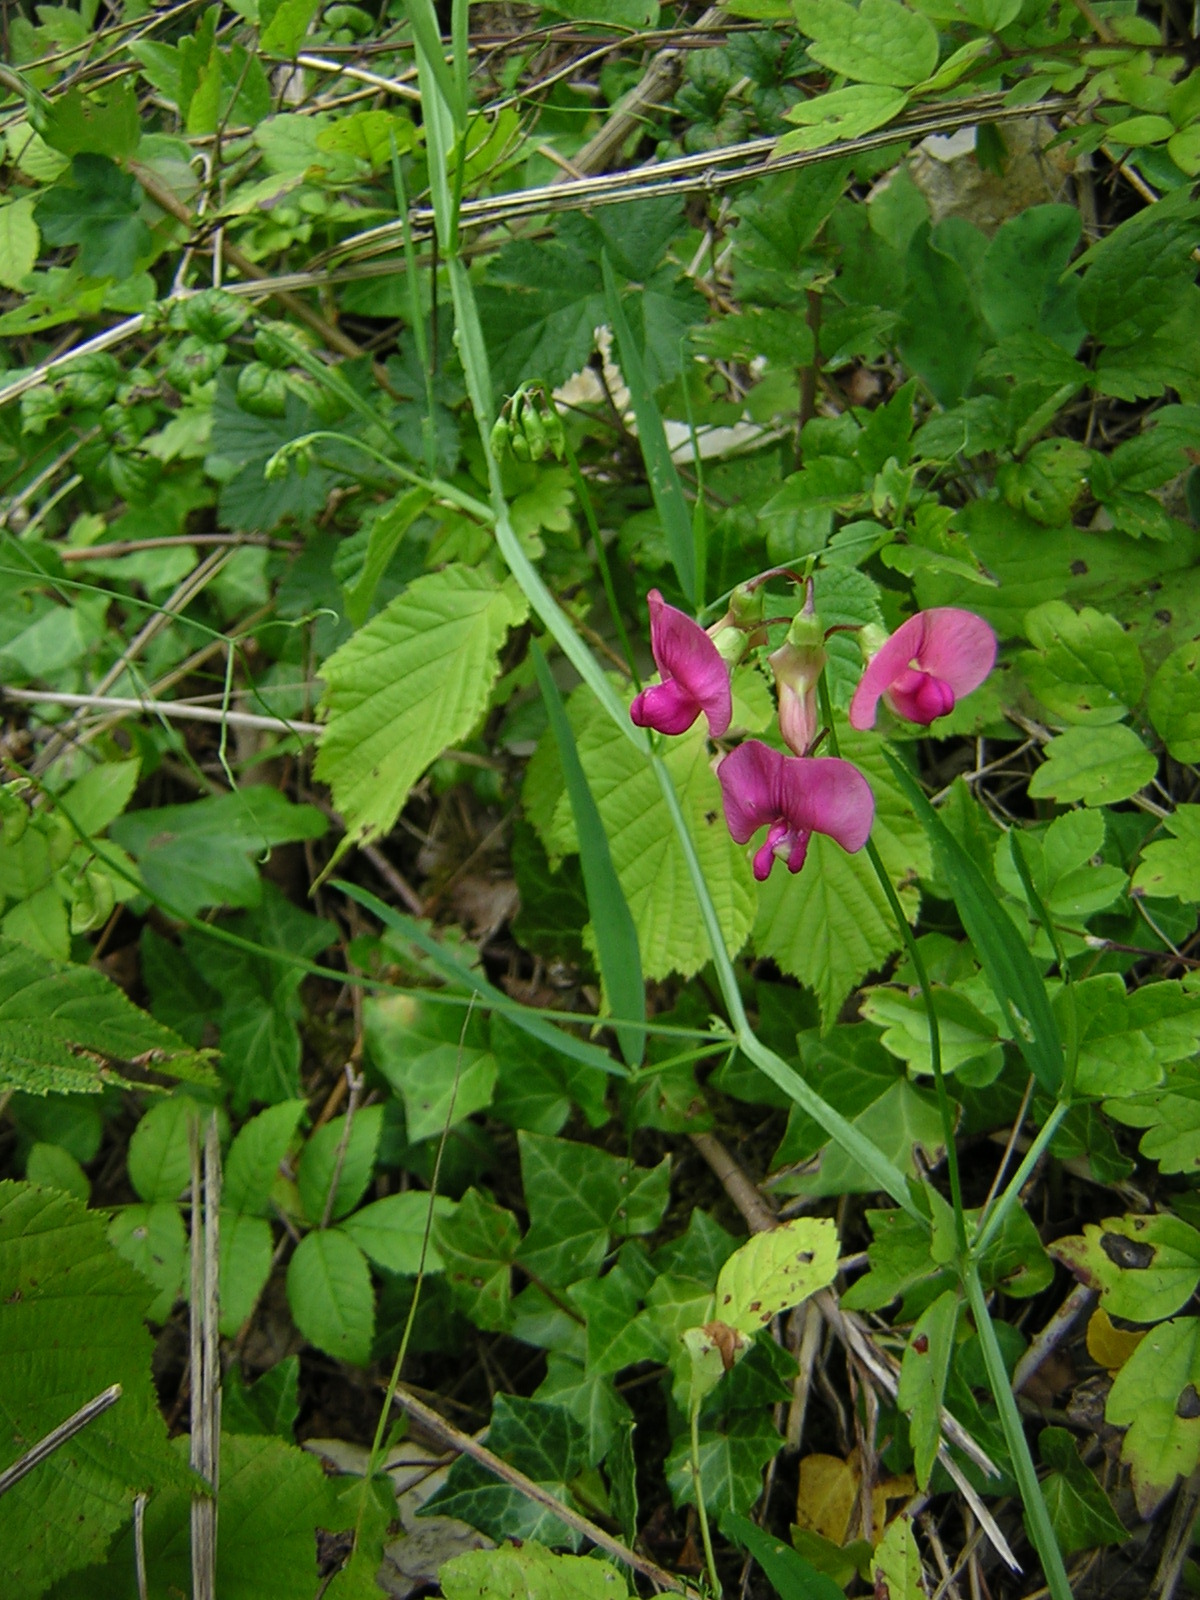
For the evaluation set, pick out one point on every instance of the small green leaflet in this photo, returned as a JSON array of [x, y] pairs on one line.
[[878, 41], [344, 1149], [330, 1295], [1145, 1267], [436, 1059], [252, 1164], [19, 242], [415, 679], [1170, 868], [841, 114], [529, 1572], [391, 1232], [1174, 701], [896, 1565], [1096, 765]]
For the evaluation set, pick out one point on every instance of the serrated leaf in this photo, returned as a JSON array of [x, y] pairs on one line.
[[55, 1019], [1174, 702], [1145, 1267], [435, 1058], [774, 1271], [330, 1295], [343, 1150], [529, 1572], [415, 679], [97, 209], [878, 41], [391, 1232], [72, 1325], [1095, 765], [1126, 293], [252, 1164], [245, 1264], [1156, 1395], [1072, 886], [159, 1155], [1083, 666], [1171, 1117]]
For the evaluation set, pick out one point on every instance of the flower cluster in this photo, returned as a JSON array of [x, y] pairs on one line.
[[920, 672]]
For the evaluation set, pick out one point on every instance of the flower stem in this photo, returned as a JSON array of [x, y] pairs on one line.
[[710, 1560]]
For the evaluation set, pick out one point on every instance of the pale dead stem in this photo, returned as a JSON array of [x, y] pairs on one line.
[[46, 1447]]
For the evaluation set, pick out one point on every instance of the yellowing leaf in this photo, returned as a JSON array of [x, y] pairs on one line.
[[773, 1271], [897, 1563], [1109, 1346]]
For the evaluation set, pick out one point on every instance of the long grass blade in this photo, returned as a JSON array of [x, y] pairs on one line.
[[612, 920]]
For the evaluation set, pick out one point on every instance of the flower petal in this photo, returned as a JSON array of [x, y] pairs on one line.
[[919, 697], [684, 651], [749, 778], [884, 667], [822, 794], [666, 707], [958, 647]]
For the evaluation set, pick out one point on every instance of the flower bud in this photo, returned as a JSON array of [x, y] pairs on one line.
[[798, 665]]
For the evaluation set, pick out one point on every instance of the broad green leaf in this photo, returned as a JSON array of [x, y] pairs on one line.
[[72, 1325], [1021, 284], [152, 1239], [97, 208], [791, 1576], [612, 922], [615, 1338], [1060, 862], [387, 530], [774, 1271], [943, 331], [478, 1244], [1170, 868], [1154, 1396], [159, 1155], [529, 1572], [19, 242], [1145, 1267], [840, 114], [1127, 288], [879, 41], [52, 1167], [1171, 1117], [55, 1019], [369, 136], [342, 1153], [99, 797], [246, 1253], [330, 1295], [287, 27], [1083, 666], [268, 1406], [1126, 1039], [415, 679], [1095, 765], [903, 1123], [1174, 702], [966, 1035], [205, 853], [896, 1565], [252, 1164], [731, 1464], [391, 1232], [436, 1058], [604, 1416], [923, 1374], [830, 924], [97, 125], [536, 1086], [1079, 1508]]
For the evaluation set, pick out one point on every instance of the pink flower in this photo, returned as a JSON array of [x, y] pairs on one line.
[[927, 665], [795, 797], [695, 677]]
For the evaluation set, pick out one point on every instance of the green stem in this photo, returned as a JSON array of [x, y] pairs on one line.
[[710, 1559], [589, 513], [993, 1219], [438, 487], [1040, 1526]]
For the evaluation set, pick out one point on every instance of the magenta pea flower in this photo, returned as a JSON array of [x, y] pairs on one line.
[[927, 665], [695, 676], [795, 796]]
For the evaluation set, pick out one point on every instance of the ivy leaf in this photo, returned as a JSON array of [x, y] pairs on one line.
[[1170, 868], [879, 41], [830, 924], [55, 1019], [1145, 1267], [1098, 766], [415, 679], [98, 210], [478, 1244], [1174, 702], [731, 1464], [1156, 1395], [529, 1572], [537, 1085], [439, 1063], [345, 1147], [615, 1338], [57, 1352], [774, 1271], [329, 1292], [1080, 1512], [1083, 666], [923, 1374]]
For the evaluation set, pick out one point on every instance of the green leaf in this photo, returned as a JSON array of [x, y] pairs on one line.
[[791, 1576], [1083, 666], [97, 799], [840, 114], [903, 1123], [1174, 702], [1155, 1396], [437, 1059], [329, 1292], [615, 1338], [537, 1086], [1021, 286], [72, 1325], [943, 331], [1171, 1116], [414, 680], [731, 1465], [387, 530], [152, 1239], [1079, 1508], [52, 1167], [288, 25], [19, 242], [529, 1572], [198, 854], [55, 1019], [774, 1271], [660, 469], [612, 922], [1060, 862], [252, 1165], [344, 1148], [966, 1034], [98, 210], [478, 1244], [896, 1565], [159, 1156], [269, 1406], [1145, 1267], [1171, 867], [391, 1232], [830, 924], [1125, 1039], [1015, 980], [80, 124], [879, 41], [923, 1374], [1095, 765], [1134, 275], [245, 1265]]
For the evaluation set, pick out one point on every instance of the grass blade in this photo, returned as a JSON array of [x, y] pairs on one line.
[[1010, 968], [612, 920], [660, 469]]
